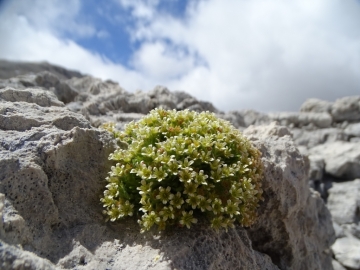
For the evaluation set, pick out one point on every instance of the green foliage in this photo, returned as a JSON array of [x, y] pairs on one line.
[[173, 166]]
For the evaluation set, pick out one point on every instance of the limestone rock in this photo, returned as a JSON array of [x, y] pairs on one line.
[[344, 202], [312, 138], [52, 174], [342, 159], [42, 98], [347, 252], [14, 258], [245, 118], [43, 80], [316, 105], [346, 109], [317, 166], [294, 226], [10, 69], [353, 130], [320, 120], [337, 265]]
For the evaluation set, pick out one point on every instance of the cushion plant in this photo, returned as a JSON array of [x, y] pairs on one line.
[[174, 166]]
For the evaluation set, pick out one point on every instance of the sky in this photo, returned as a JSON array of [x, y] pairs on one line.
[[237, 54]]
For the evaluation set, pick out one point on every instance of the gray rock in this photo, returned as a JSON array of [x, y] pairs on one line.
[[312, 138], [339, 231], [10, 69], [353, 228], [317, 166], [234, 117], [346, 109], [316, 105], [353, 130], [12, 258], [52, 176], [293, 119], [347, 252], [252, 117], [245, 118], [61, 89], [344, 202], [337, 265], [40, 97], [43, 80], [163, 97], [294, 226], [88, 85], [25, 116], [342, 159]]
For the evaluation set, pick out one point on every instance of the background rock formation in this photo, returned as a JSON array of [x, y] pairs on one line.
[[53, 162]]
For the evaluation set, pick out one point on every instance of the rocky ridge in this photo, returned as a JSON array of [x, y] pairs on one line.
[[54, 162]]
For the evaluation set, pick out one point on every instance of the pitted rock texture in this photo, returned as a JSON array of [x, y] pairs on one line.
[[294, 227], [37, 133], [52, 175], [342, 159]]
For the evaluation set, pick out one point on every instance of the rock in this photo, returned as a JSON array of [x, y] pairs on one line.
[[353, 130], [43, 80], [347, 252], [317, 166], [10, 69], [316, 105], [252, 117], [26, 116], [339, 231], [163, 97], [353, 228], [344, 202], [346, 109], [62, 90], [337, 266], [294, 226], [14, 258], [320, 120], [40, 97], [342, 159], [52, 173], [312, 138], [245, 118], [234, 117]]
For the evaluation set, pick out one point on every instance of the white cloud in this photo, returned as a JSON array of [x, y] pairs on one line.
[[25, 43], [268, 55], [265, 55], [162, 62]]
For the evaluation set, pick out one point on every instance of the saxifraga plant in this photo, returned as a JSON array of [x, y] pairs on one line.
[[173, 166]]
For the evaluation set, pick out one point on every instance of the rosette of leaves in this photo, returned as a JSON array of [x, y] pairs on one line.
[[174, 166]]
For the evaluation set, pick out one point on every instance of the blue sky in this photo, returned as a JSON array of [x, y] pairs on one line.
[[237, 54]]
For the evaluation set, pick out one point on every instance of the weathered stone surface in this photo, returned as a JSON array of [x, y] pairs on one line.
[[342, 159], [10, 69], [294, 227], [346, 109], [40, 97], [12, 258], [314, 137], [316, 105], [317, 166], [353, 130], [43, 80], [293, 119], [337, 265], [344, 202], [347, 252], [52, 174], [252, 117]]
